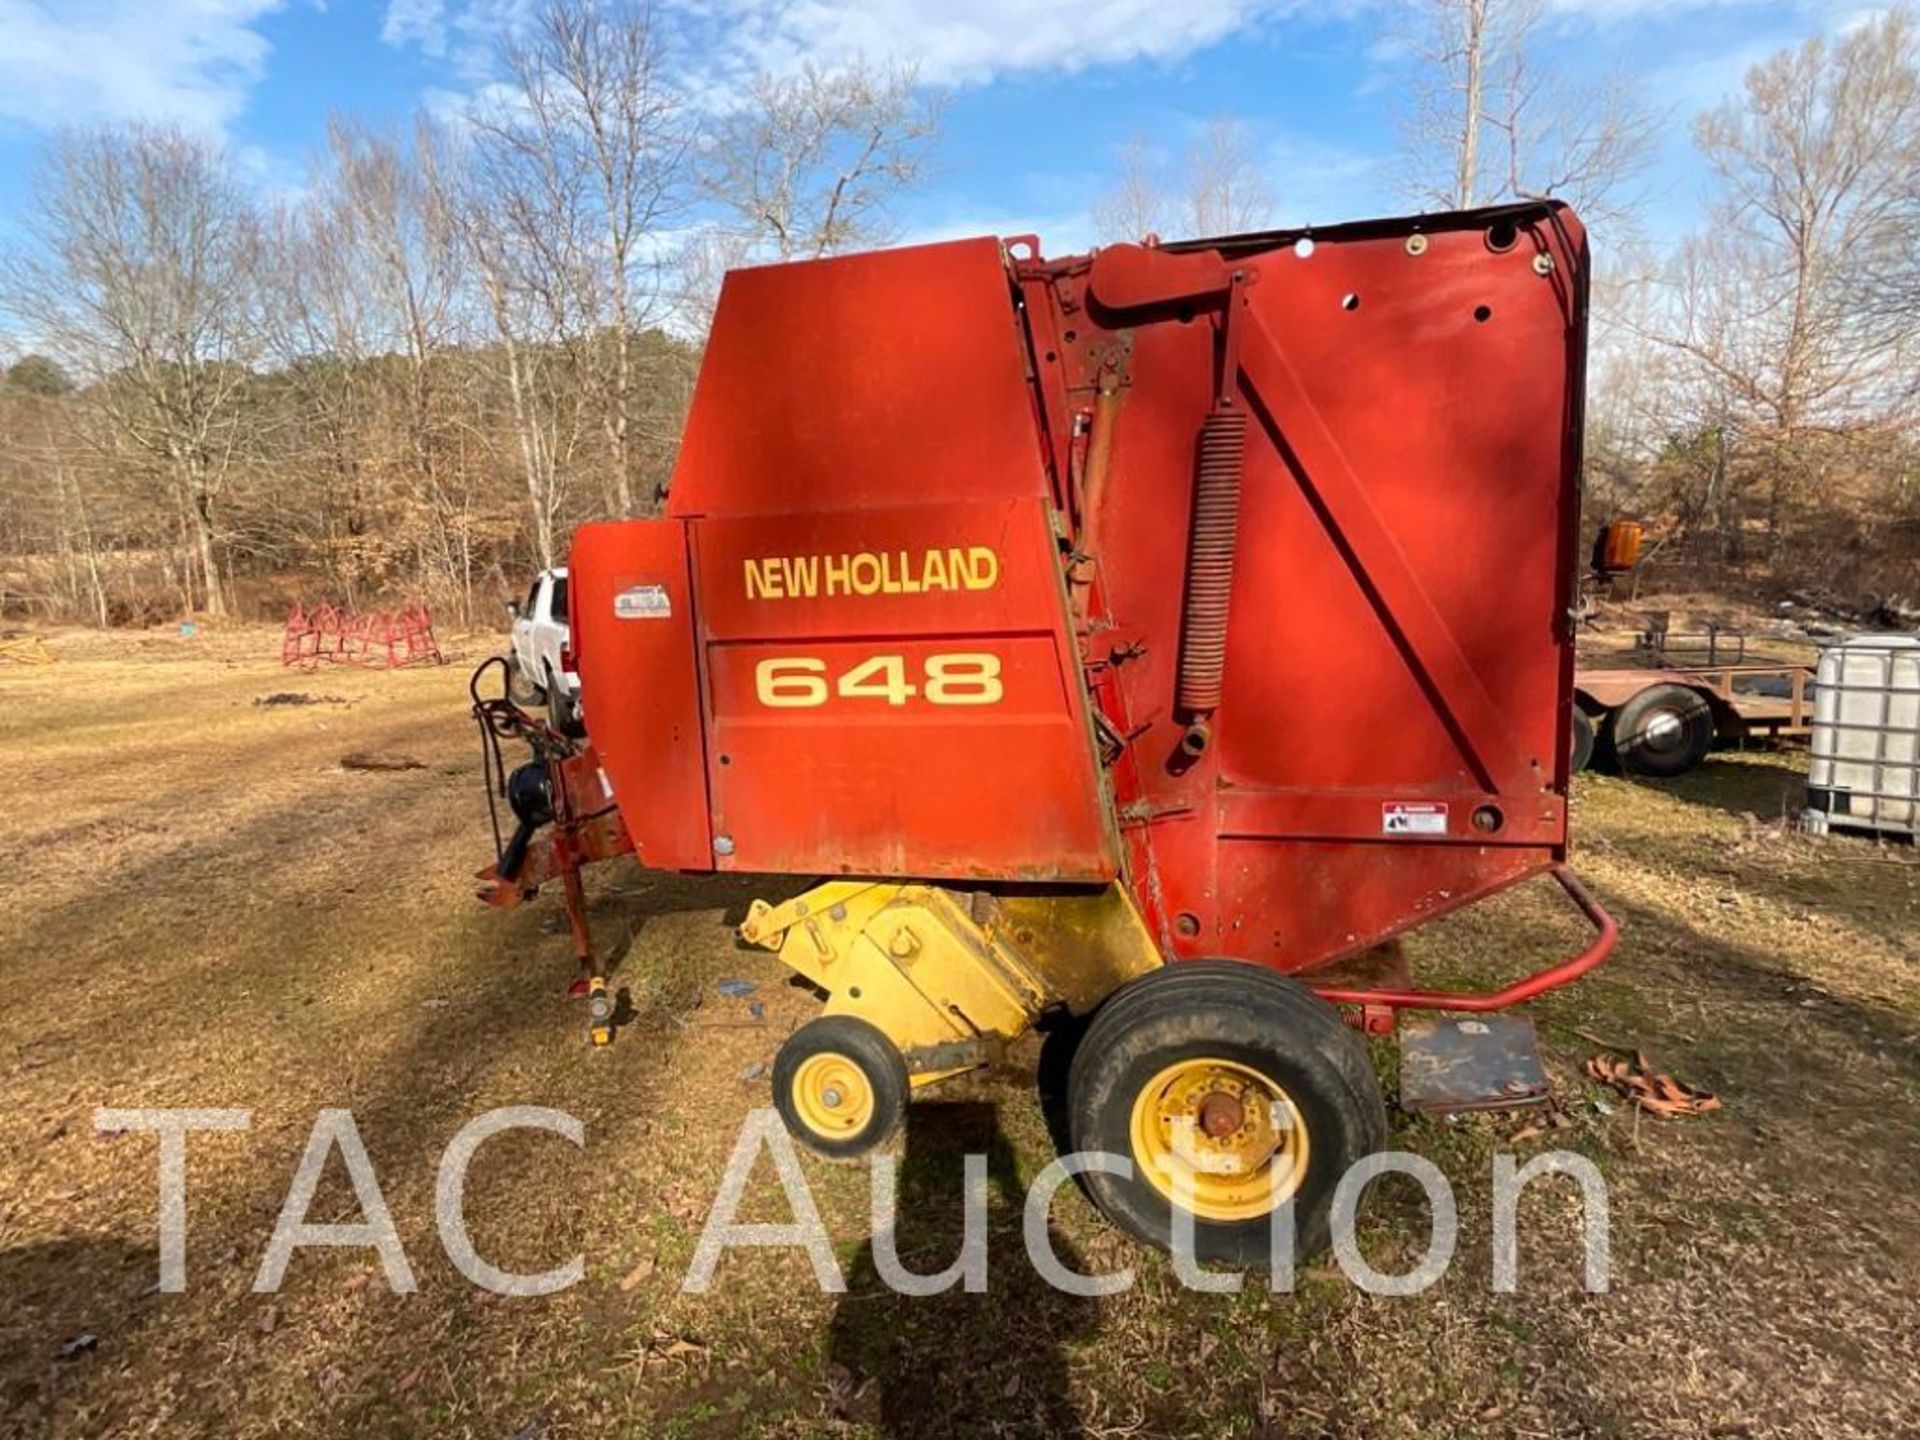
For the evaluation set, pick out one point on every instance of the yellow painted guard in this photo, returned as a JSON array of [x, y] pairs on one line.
[[931, 967]]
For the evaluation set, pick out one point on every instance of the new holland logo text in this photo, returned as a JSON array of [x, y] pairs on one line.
[[872, 572]]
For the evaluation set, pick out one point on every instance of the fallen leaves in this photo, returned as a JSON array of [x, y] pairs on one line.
[[637, 1275], [1648, 1089]]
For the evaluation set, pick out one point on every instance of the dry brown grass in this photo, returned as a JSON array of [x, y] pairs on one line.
[[205, 909]]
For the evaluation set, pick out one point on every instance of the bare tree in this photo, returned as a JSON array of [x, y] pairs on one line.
[[701, 268], [587, 149], [1227, 189], [382, 203], [810, 162], [530, 333], [367, 310], [1485, 123], [1764, 306], [1220, 187], [1135, 208], [46, 503], [144, 282]]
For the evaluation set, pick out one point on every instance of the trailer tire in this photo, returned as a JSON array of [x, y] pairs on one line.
[[1583, 741], [520, 690], [1215, 1042], [1663, 731], [840, 1086]]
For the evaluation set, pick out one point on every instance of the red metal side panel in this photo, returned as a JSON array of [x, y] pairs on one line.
[[884, 379], [1399, 652], [895, 692], [632, 617]]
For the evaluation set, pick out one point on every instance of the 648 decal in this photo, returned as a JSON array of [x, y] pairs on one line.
[[801, 682]]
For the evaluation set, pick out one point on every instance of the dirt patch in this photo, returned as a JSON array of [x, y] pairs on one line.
[[207, 911]]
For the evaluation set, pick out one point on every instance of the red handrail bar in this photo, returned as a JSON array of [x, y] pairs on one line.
[[1521, 990]]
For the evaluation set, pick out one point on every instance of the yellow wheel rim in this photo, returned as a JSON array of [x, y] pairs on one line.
[[832, 1095], [1220, 1139]]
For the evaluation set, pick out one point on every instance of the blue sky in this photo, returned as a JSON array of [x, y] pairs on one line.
[[1042, 94]]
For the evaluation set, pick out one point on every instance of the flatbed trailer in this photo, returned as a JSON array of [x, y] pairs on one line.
[[1660, 722]]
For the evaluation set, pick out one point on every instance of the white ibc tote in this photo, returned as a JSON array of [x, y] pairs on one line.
[[1865, 773]]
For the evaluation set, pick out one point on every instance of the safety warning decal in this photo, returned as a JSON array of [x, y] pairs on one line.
[[1406, 817], [643, 602]]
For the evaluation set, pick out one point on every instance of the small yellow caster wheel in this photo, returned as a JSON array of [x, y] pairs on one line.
[[840, 1086]]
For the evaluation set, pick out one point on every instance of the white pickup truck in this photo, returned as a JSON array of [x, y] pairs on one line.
[[536, 672]]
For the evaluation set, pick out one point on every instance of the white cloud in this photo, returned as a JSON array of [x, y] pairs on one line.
[[190, 62], [1604, 10], [950, 42], [972, 43], [462, 32], [416, 22]]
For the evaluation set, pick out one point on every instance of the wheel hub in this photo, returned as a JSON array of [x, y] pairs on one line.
[[1665, 731], [1219, 1138], [832, 1095], [1221, 1114]]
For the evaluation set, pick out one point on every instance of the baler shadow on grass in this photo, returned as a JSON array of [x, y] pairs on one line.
[[956, 1363]]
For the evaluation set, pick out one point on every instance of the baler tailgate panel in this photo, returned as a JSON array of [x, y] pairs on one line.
[[1388, 743]]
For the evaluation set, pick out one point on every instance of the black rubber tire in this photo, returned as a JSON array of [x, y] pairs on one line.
[[520, 690], [1251, 1016], [1584, 741], [1663, 731], [878, 1060]]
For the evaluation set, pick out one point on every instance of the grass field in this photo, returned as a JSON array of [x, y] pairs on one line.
[[207, 910]]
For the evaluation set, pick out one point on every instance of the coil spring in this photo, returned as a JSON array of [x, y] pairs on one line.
[[1210, 546]]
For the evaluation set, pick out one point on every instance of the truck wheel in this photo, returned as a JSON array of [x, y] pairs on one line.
[[1231, 1090], [1583, 740], [840, 1086], [1663, 731], [520, 690], [563, 711]]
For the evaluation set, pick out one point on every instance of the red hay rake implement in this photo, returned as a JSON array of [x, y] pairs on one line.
[[373, 639]]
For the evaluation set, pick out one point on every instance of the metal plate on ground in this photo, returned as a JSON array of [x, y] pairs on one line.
[[1477, 1062]]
